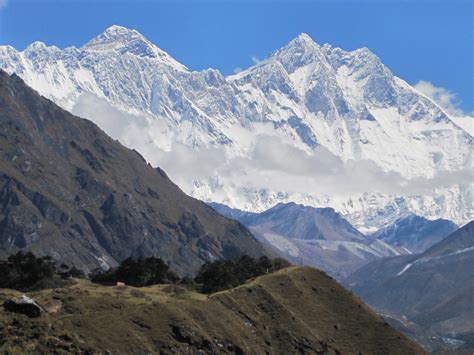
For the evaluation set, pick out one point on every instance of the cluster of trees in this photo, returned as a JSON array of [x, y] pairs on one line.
[[224, 274], [211, 277], [26, 272], [137, 272]]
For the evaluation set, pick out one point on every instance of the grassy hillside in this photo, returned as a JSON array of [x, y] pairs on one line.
[[294, 310]]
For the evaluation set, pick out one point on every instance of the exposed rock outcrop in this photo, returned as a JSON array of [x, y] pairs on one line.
[[24, 305]]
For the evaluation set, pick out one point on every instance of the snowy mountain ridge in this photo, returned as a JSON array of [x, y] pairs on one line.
[[286, 129]]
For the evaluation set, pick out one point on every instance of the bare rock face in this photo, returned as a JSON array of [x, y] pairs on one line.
[[69, 191], [24, 305]]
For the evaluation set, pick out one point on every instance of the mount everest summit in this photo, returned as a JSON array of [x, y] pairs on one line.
[[310, 124]]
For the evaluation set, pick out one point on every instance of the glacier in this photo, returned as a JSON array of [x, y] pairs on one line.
[[336, 111]]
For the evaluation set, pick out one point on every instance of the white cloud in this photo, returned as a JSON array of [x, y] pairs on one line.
[[3, 4], [237, 70], [255, 60], [145, 133], [268, 160], [443, 97]]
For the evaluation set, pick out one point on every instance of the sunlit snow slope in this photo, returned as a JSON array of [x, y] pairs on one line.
[[311, 124]]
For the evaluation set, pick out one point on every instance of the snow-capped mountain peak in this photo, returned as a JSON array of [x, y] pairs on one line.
[[121, 39], [302, 41], [312, 97], [36, 46], [124, 40], [304, 37], [39, 50], [298, 53]]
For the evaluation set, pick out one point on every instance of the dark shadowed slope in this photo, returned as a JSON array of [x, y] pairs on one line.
[[292, 311], [415, 233], [70, 191], [318, 237], [434, 289]]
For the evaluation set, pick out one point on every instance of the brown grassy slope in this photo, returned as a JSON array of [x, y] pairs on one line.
[[295, 310]]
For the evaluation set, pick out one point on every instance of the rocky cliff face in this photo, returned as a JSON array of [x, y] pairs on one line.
[[70, 191], [312, 97]]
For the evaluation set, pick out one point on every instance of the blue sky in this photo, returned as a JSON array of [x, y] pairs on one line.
[[430, 40]]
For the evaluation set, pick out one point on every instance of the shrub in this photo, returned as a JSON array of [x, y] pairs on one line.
[[188, 283]]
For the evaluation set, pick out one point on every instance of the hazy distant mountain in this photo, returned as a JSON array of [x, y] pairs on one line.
[[415, 233], [311, 124], [434, 289], [318, 237], [69, 191]]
